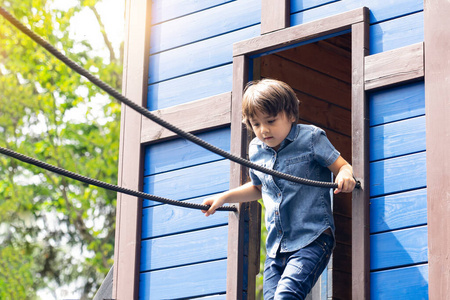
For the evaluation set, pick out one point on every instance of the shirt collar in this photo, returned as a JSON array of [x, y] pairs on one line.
[[290, 137], [293, 133]]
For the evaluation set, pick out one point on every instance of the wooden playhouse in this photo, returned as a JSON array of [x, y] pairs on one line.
[[374, 74]]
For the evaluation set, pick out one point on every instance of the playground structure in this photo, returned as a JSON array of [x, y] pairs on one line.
[[362, 73]]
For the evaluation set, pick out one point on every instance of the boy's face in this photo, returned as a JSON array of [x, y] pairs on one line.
[[272, 130]]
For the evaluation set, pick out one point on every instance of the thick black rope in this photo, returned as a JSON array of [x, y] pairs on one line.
[[108, 89], [101, 184]]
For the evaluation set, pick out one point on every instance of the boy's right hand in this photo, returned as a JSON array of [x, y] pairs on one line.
[[214, 203]]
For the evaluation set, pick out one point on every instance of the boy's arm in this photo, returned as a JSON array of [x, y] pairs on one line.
[[245, 193], [344, 175]]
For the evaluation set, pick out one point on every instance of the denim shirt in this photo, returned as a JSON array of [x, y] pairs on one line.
[[296, 214]]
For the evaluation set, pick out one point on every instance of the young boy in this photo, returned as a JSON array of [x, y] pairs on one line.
[[299, 220]]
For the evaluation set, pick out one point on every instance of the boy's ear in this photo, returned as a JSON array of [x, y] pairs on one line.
[[293, 119]]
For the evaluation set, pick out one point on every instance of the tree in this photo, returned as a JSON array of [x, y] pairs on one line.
[[55, 231]]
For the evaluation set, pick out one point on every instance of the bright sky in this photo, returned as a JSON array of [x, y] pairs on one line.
[[85, 26]]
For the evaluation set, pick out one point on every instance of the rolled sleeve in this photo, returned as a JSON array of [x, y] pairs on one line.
[[255, 180], [324, 152]]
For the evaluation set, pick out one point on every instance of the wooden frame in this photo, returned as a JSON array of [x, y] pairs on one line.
[[356, 21], [360, 162], [128, 215], [248, 212], [437, 109], [235, 269], [297, 34]]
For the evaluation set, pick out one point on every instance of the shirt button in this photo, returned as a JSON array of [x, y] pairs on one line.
[[279, 194], [276, 213]]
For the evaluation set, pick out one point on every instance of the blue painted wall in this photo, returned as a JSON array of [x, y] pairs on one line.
[[183, 253], [398, 211]]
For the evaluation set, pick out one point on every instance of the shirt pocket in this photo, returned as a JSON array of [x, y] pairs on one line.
[[298, 166]]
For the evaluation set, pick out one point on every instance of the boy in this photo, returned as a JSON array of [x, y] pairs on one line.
[[299, 220]]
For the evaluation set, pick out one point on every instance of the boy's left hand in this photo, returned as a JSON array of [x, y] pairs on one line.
[[345, 181]]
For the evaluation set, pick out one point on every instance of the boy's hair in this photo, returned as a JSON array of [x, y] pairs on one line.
[[268, 96]]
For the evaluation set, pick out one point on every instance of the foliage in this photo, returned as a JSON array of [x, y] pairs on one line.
[[259, 278], [17, 284], [55, 231]]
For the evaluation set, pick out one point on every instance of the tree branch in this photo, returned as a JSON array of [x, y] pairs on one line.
[[112, 56]]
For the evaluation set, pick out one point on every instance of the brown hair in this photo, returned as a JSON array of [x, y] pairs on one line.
[[268, 96]]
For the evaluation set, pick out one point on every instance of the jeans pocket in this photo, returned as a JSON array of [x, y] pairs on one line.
[[326, 243], [321, 244]]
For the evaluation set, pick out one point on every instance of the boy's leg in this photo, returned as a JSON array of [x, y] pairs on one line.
[[303, 268], [273, 268]]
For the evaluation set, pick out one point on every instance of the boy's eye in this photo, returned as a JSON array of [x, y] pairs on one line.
[[271, 121]]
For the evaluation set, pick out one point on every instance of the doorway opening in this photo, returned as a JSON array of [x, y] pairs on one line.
[[320, 73]]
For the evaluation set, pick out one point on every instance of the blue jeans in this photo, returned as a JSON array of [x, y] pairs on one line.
[[292, 275]]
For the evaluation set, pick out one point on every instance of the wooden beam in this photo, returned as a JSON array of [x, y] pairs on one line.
[[235, 263], [128, 215], [274, 15], [360, 161], [208, 113], [393, 67], [296, 34], [437, 109]]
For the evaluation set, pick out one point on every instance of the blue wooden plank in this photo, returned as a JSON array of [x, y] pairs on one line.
[[163, 10], [399, 138], [191, 87], [400, 284], [184, 282], [300, 5], [189, 182], [396, 33], [215, 297], [397, 103], [163, 220], [379, 10], [399, 248], [180, 153], [204, 24], [198, 56], [183, 249], [398, 211], [398, 174]]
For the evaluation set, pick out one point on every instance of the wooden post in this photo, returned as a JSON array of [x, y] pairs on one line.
[[274, 15], [360, 161], [235, 264], [437, 110], [128, 215]]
